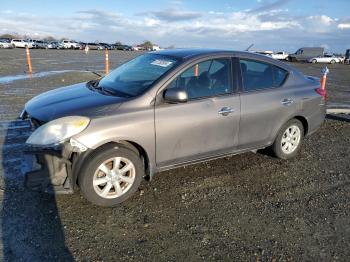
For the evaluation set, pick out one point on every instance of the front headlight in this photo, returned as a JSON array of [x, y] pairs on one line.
[[58, 131]]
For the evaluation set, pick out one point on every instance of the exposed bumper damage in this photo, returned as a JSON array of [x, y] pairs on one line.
[[55, 173]]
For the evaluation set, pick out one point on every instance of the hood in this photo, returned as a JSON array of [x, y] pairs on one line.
[[71, 100]]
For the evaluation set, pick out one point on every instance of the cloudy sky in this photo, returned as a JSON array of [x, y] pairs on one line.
[[269, 24]]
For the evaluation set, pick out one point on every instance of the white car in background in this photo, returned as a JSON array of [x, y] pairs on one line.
[[21, 43], [67, 44], [52, 45], [5, 43], [280, 56], [329, 59]]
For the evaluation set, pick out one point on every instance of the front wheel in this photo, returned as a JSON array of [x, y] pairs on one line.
[[289, 139], [111, 175], [333, 61], [314, 61]]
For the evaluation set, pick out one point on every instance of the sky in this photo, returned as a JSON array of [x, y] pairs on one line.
[[276, 25]]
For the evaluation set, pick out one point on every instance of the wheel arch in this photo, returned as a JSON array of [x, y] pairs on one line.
[[78, 160], [305, 123], [302, 119]]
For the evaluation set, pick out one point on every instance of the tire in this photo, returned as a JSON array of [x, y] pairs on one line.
[[332, 61], [314, 61], [106, 158], [283, 146]]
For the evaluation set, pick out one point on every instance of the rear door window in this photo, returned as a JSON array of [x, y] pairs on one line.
[[257, 75]]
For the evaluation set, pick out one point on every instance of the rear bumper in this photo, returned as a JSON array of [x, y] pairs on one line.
[[55, 173], [316, 120]]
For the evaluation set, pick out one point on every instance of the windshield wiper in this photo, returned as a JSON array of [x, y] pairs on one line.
[[94, 84], [115, 92]]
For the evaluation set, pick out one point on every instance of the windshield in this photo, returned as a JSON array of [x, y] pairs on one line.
[[137, 75]]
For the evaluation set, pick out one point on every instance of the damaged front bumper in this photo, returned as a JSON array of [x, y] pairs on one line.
[[55, 173]]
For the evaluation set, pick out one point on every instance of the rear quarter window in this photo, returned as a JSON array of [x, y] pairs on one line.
[[279, 76], [257, 75]]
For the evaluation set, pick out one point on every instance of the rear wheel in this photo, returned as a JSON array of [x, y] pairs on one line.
[[111, 175], [289, 139], [332, 61]]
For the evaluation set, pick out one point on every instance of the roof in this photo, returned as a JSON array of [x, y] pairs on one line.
[[186, 54], [190, 53]]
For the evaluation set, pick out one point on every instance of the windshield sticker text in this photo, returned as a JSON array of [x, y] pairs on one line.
[[162, 63]]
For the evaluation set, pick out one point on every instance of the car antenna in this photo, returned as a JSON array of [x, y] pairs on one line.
[[95, 73], [249, 47]]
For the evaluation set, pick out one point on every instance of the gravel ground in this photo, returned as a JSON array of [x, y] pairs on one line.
[[245, 207]]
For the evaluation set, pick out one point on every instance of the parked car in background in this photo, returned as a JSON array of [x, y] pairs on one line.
[[280, 55], [68, 44], [60, 45], [100, 135], [82, 45], [94, 46], [128, 48], [347, 56], [141, 48], [40, 44], [52, 45], [156, 48], [122, 47], [329, 59], [106, 46], [306, 53], [267, 53], [5, 43], [22, 43], [32, 42]]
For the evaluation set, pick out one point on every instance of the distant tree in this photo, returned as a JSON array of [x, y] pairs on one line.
[[26, 36], [148, 45], [49, 39], [118, 43], [11, 36]]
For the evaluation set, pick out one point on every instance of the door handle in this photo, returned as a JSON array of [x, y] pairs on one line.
[[287, 101], [225, 111]]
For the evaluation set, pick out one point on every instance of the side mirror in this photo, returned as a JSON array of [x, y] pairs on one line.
[[176, 95]]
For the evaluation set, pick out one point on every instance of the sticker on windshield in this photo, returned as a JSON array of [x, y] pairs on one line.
[[162, 63]]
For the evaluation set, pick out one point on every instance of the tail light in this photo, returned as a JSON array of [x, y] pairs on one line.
[[322, 92]]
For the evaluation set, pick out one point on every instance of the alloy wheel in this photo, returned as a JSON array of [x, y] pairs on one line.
[[290, 139], [114, 177]]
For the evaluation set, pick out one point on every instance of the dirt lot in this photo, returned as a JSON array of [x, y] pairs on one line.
[[246, 207]]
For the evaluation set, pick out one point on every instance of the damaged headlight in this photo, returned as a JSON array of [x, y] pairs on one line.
[[58, 131]]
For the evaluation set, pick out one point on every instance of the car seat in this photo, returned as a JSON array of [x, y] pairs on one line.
[[199, 86], [220, 81]]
